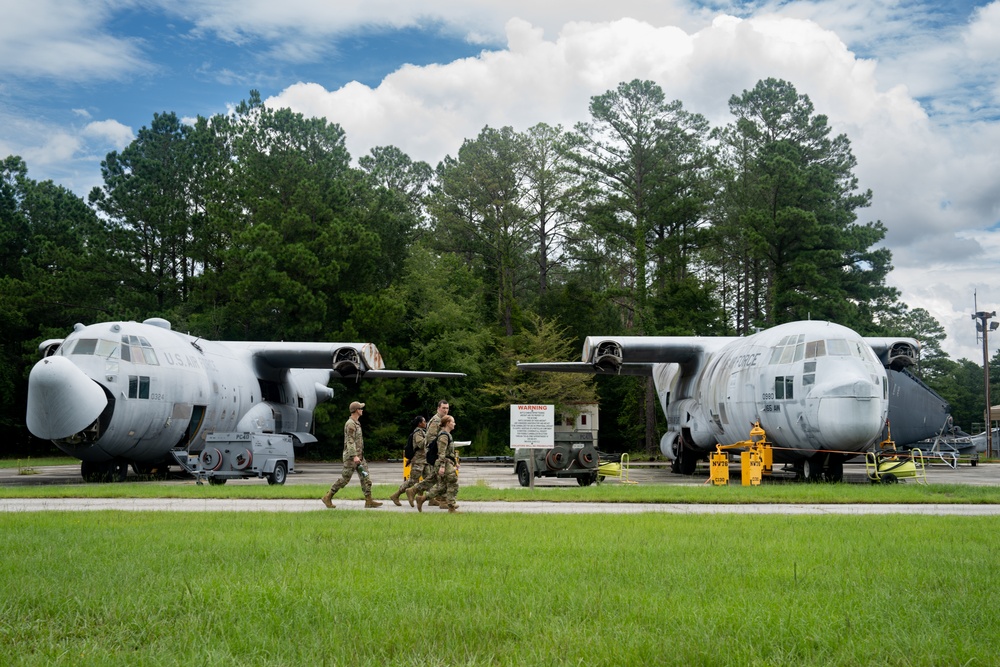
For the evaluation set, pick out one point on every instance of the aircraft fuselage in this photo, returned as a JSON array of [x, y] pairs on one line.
[[128, 391], [812, 386]]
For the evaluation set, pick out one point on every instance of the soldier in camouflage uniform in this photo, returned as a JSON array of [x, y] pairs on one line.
[[430, 472], [447, 468], [416, 462], [354, 460]]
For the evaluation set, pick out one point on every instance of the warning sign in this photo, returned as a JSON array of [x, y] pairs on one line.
[[532, 426]]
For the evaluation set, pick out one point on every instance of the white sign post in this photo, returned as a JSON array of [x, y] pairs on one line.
[[532, 427]]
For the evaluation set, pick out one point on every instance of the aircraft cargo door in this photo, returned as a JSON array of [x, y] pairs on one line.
[[196, 415]]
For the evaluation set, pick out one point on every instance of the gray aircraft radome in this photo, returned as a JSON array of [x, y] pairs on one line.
[[822, 392], [116, 394]]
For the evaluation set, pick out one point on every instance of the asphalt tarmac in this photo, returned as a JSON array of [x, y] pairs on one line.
[[494, 475], [501, 475]]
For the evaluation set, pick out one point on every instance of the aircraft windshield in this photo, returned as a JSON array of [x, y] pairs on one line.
[[788, 349], [98, 346], [841, 347], [138, 350]]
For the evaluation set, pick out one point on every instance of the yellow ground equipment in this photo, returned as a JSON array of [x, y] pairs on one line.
[[756, 459], [887, 466], [615, 469]]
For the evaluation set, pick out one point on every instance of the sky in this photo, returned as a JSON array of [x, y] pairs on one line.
[[915, 86]]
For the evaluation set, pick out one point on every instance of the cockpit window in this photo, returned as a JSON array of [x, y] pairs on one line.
[[788, 349], [838, 347], [99, 346], [138, 350], [85, 346], [815, 348]]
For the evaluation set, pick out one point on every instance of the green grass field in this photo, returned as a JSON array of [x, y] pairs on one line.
[[909, 492], [344, 588]]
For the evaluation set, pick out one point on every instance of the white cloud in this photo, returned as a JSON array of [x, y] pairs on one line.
[[920, 107], [62, 39], [480, 21], [930, 182], [109, 132]]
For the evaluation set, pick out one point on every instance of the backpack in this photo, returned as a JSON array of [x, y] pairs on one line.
[[432, 451], [408, 450]]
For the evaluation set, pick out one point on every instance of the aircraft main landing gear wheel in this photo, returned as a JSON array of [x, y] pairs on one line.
[[835, 469], [279, 474], [812, 469], [686, 462]]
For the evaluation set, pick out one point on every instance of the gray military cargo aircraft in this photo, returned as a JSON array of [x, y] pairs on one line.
[[822, 392], [126, 393]]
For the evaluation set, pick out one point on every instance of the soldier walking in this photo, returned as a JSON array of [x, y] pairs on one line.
[[354, 460], [417, 459], [447, 468], [430, 471]]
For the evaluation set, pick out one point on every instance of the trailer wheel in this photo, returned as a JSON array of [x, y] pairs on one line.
[[216, 481], [586, 480], [523, 476], [279, 474]]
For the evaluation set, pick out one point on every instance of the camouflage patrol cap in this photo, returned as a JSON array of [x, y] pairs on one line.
[[357, 406]]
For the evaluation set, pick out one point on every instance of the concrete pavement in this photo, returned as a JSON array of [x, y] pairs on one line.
[[494, 476]]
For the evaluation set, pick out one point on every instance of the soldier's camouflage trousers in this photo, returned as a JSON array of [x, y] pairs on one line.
[[430, 477], [446, 485], [345, 476]]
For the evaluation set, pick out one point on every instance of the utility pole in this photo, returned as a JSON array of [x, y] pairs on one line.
[[982, 316]]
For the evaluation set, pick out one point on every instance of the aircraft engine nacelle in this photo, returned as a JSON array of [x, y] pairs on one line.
[[895, 353], [357, 360], [606, 355]]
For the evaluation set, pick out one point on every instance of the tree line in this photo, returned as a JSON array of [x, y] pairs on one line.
[[642, 220]]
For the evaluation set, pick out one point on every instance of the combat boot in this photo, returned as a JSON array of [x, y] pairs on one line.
[[395, 499], [371, 503], [420, 502], [328, 499], [410, 495]]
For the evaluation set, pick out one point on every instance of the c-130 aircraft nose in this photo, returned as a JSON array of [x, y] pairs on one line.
[[62, 400], [851, 416]]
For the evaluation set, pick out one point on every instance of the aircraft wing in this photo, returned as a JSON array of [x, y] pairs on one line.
[[347, 360], [584, 367], [405, 374], [633, 355]]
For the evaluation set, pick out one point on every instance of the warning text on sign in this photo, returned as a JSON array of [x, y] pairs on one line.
[[532, 426]]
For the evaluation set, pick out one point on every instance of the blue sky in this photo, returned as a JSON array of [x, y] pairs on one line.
[[914, 85]]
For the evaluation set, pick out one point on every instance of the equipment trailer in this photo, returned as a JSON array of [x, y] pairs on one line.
[[240, 455]]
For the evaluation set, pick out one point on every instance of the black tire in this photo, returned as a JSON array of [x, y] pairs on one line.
[[216, 481], [586, 480], [835, 469], [523, 475], [889, 478], [279, 474], [688, 462]]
